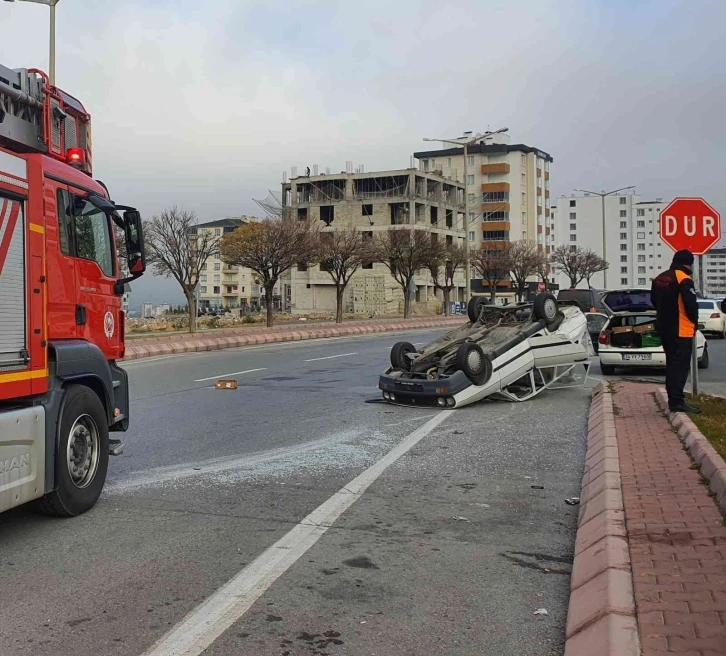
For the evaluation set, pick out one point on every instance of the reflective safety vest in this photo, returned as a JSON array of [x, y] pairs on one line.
[[686, 327]]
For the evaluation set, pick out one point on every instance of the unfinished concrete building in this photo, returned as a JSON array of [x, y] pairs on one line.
[[374, 202]]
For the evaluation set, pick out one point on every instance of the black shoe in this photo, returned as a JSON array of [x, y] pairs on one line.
[[684, 407]]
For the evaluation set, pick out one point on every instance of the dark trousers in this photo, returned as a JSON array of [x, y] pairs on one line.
[[678, 364]]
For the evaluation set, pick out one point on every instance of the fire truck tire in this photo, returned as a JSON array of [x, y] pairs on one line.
[[82, 457]]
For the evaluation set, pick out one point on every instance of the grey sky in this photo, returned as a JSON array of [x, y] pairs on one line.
[[206, 107]]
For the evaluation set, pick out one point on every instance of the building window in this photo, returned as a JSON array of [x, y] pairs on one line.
[[471, 198], [472, 236], [573, 249], [573, 237], [215, 290], [301, 266], [524, 179], [623, 224], [327, 214], [573, 203], [366, 210], [203, 278], [495, 235], [524, 217], [623, 200], [448, 162], [203, 289], [641, 258], [641, 281], [641, 235], [204, 266], [623, 281], [524, 197], [641, 247], [623, 269], [573, 226], [623, 213], [229, 289], [216, 277], [641, 224], [623, 247], [302, 213], [640, 212], [217, 232], [495, 216], [496, 197], [623, 235], [470, 179], [573, 216], [623, 258], [217, 266], [469, 160], [641, 269]]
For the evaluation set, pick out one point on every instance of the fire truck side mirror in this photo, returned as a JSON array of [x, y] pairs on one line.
[[134, 242]]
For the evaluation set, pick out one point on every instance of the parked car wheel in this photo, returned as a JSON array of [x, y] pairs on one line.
[[399, 355], [545, 309], [607, 369], [473, 307], [703, 362], [471, 359]]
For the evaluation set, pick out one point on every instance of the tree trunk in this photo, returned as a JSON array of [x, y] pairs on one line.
[[269, 290], [573, 282], [192, 307], [447, 301], [339, 291]]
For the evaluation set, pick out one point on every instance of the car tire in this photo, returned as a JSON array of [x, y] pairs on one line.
[[476, 365], [82, 456], [545, 309], [704, 361], [399, 355], [607, 369], [473, 307]]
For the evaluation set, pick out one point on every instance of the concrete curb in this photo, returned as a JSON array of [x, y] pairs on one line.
[[601, 618], [156, 347], [712, 465]]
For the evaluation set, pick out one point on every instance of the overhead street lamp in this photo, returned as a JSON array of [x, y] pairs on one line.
[[466, 142], [51, 57], [602, 195]]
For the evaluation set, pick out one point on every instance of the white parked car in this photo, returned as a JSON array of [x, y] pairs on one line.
[[628, 339], [710, 318]]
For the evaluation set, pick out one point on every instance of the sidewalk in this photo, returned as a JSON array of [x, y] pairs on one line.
[[674, 530], [160, 345]]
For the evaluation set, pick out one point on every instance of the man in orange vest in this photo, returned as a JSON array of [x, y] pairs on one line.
[[674, 298]]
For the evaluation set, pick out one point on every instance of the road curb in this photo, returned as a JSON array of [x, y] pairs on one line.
[[712, 465], [601, 618], [207, 343]]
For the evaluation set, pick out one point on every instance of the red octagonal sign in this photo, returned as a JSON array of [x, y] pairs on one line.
[[690, 223]]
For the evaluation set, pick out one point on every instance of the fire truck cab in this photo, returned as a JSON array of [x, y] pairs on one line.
[[61, 283]]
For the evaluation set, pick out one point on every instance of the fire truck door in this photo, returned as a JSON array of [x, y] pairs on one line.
[[97, 311]]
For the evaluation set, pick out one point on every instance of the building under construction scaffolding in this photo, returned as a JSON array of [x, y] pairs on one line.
[[374, 202]]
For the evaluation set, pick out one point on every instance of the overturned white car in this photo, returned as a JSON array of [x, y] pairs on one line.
[[512, 352]]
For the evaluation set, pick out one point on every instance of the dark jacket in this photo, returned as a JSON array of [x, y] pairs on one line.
[[674, 298]]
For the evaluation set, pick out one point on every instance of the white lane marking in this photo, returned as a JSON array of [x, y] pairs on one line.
[[235, 373], [217, 613], [330, 357], [161, 357]]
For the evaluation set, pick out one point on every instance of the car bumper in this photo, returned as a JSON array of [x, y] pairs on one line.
[[615, 359], [406, 391], [711, 326]]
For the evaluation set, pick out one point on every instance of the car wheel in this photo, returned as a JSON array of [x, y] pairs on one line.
[[607, 369], [474, 306], [703, 362], [545, 309], [399, 355], [476, 365]]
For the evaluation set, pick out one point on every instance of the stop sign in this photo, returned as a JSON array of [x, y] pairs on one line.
[[690, 223]]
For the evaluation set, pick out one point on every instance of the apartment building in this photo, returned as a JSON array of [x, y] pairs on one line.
[[633, 246], [373, 203], [713, 273], [222, 285], [507, 186]]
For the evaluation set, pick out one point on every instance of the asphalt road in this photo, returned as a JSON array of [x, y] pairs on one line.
[[449, 550]]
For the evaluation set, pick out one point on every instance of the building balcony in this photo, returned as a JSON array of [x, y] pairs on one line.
[[495, 169], [539, 172], [494, 186], [495, 207], [496, 225]]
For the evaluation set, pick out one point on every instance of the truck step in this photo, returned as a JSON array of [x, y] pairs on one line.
[[115, 447]]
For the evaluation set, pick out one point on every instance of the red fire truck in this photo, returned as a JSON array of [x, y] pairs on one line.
[[61, 284]]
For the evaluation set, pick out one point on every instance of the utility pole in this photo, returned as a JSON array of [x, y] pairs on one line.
[[466, 143], [602, 195]]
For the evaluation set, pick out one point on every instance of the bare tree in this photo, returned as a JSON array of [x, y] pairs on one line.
[[341, 252], [592, 263], [270, 248], [524, 260], [492, 264], [569, 261], [404, 251], [178, 250], [445, 260]]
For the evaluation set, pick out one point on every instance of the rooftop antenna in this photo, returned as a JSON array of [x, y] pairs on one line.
[[315, 169], [284, 176]]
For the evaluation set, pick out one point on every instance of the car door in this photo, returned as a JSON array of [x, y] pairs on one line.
[[595, 323], [98, 307]]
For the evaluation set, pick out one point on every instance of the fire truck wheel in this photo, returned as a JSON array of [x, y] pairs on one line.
[[82, 457]]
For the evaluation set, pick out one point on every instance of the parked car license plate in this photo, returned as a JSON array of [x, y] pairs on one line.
[[639, 357]]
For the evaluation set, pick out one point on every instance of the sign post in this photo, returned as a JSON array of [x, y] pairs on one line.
[[693, 224]]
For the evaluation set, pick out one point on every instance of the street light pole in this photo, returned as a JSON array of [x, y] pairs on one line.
[[466, 143], [602, 195], [51, 48]]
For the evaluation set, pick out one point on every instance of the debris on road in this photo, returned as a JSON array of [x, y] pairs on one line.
[[462, 519], [225, 384], [573, 501], [540, 611], [537, 487]]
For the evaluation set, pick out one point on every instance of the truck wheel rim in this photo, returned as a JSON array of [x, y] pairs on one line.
[[82, 452]]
